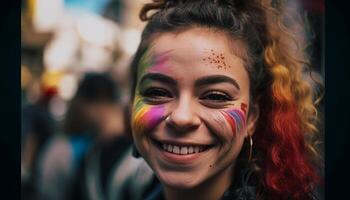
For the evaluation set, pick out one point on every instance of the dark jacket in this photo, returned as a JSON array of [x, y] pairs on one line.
[[241, 190]]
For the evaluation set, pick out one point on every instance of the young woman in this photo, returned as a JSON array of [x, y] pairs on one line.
[[220, 108]]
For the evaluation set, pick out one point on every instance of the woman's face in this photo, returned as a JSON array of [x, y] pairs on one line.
[[189, 117]]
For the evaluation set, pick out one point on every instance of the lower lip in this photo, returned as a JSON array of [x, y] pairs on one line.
[[180, 159]]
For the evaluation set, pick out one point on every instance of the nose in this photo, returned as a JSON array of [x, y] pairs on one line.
[[183, 117]]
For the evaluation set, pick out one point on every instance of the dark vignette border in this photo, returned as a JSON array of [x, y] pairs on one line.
[[10, 46], [337, 78], [337, 119]]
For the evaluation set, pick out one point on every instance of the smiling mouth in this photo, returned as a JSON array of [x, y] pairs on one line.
[[180, 149]]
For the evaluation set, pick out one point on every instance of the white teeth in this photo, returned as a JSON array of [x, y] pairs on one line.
[[170, 148], [182, 150], [196, 149], [190, 150], [176, 149]]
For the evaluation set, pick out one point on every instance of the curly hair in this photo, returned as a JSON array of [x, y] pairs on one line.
[[284, 149]]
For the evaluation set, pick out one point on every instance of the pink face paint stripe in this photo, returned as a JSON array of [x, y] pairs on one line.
[[154, 116], [236, 120], [238, 115], [242, 118], [158, 63], [231, 121], [147, 117], [242, 115]]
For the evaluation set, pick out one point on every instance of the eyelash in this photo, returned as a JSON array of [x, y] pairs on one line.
[[216, 96], [156, 94]]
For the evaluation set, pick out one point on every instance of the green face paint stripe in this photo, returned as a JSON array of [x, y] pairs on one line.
[[145, 62], [144, 85], [138, 104]]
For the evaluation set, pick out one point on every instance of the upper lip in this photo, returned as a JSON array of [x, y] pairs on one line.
[[182, 143]]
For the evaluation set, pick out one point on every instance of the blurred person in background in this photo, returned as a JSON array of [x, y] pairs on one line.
[[112, 142], [37, 126], [92, 119]]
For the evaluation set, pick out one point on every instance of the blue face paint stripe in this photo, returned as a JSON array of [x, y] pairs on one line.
[[241, 114], [238, 119]]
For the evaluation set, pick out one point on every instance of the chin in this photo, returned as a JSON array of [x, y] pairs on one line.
[[179, 180]]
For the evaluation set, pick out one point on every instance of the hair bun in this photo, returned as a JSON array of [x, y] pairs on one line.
[[157, 5]]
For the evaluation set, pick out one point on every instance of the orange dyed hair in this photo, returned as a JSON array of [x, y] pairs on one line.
[[287, 128]]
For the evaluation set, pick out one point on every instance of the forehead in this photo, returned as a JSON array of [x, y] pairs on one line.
[[198, 40], [193, 53]]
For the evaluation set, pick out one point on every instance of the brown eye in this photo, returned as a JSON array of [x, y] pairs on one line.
[[156, 94], [216, 96]]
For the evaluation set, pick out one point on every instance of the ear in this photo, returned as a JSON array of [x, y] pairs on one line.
[[253, 116]]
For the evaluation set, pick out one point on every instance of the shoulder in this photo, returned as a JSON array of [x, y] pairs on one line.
[[131, 176], [56, 154]]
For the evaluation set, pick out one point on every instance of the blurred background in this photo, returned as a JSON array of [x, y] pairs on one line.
[[74, 85], [74, 89]]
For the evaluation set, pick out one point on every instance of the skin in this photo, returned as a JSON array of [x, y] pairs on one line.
[[189, 107]]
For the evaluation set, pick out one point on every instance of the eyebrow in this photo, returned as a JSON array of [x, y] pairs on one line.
[[158, 77], [207, 80]]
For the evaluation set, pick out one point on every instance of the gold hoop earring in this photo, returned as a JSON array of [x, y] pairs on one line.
[[250, 148]]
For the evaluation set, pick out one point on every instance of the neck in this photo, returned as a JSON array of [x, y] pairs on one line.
[[212, 189]]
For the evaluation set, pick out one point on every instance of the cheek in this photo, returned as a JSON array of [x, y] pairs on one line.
[[236, 119], [226, 124], [146, 117]]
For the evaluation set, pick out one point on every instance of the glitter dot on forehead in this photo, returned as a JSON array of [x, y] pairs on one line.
[[215, 59]]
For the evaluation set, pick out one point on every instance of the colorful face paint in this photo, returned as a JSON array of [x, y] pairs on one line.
[[215, 59], [153, 62], [219, 124], [159, 64], [236, 119], [146, 117]]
